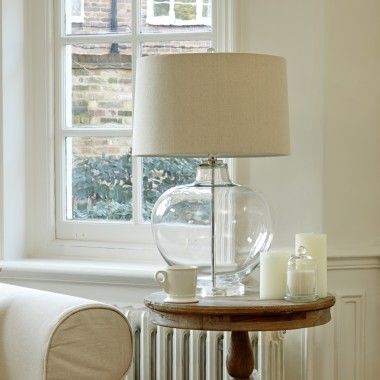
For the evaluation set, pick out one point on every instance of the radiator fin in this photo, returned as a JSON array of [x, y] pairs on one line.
[[181, 359]]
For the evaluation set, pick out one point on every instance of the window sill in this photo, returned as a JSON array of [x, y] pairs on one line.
[[105, 273], [135, 274]]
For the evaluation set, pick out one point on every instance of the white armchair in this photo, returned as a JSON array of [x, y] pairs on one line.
[[50, 336]]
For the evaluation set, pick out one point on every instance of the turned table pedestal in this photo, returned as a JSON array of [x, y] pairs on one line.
[[239, 315]]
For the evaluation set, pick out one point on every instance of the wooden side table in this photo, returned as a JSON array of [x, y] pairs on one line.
[[239, 315]]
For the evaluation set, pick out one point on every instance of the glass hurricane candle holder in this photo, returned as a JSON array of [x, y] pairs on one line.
[[301, 277]]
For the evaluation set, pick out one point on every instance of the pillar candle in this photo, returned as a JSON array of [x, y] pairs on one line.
[[315, 245], [273, 269]]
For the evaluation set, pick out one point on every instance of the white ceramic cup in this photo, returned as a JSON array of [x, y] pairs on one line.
[[179, 282]]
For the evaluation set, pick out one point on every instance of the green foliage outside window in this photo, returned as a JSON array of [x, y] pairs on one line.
[[161, 174], [102, 186]]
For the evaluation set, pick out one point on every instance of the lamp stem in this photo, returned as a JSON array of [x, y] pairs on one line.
[[213, 274], [213, 163]]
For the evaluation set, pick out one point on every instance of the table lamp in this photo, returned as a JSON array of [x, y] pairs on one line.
[[212, 105]]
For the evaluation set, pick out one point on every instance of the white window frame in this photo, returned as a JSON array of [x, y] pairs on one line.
[[50, 234], [171, 19]]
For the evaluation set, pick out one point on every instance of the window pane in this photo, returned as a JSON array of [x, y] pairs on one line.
[[99, 178], [175, 47], [161, 174], [185, 12], [101, 86], [98, 16], [161, 9], [165, 16]]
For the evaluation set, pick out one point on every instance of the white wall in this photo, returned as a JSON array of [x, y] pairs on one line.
[[352, 128], [331, 181], [292, 185]]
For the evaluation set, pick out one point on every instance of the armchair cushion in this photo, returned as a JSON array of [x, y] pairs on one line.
[[52, 336]]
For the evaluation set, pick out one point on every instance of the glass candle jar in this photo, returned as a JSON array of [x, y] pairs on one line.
[[301, 277]]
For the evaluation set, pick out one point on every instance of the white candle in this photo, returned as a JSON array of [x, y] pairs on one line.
[[301, 282], [273, 269], [315, 245]]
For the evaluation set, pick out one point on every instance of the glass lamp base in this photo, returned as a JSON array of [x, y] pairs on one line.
[[301, 299], [216, 225], [205, 289]]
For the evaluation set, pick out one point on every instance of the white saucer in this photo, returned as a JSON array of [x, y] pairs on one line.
[[181, 300]]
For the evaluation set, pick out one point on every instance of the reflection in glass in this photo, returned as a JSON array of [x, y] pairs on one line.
[[178, 16], [98, 16]]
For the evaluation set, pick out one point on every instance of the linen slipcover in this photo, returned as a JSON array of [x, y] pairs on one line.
[[50, 336]]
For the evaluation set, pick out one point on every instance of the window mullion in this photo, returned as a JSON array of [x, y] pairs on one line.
[[68, 151], [136, 162], [215, 10], [65, 10], [96, 38], [171, 11], [146, 37], [96, 132], [198, 12]]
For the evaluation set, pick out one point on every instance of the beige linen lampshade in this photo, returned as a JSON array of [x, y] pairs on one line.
[[219, 104]]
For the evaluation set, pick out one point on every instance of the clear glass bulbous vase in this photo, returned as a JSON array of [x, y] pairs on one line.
[[181, 224]]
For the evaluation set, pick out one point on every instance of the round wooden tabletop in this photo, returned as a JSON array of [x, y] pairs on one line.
[[240, 313]]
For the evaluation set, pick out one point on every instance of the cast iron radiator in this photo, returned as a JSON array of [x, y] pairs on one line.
[[162, 353]]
